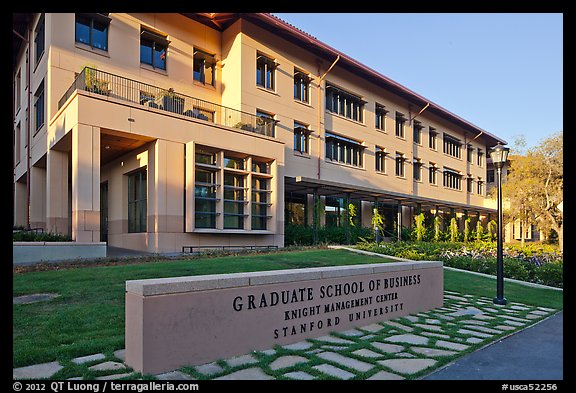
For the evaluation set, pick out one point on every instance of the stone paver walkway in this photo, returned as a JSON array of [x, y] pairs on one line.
[[408, 347]]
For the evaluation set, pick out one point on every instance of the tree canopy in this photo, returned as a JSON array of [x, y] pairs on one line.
[[534, 184]]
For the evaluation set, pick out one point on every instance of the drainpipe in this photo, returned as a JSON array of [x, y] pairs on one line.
[[29, 139], [320, 109]]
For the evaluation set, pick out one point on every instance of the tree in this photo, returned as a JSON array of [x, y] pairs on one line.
[[419, 228], [534, 186], [453, 230]]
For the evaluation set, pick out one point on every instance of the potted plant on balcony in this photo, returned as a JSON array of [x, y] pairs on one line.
[[95, 84], [172, 102]]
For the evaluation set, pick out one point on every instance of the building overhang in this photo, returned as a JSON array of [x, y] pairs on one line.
[[307, 185]]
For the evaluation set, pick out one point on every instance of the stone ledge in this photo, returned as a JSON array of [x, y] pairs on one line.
[[166, 286]]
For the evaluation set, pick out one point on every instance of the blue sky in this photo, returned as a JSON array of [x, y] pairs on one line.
[[501, 72]]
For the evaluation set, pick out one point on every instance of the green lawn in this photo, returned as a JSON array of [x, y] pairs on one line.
[[88, 316]]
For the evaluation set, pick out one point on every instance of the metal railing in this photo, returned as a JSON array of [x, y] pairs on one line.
[[110, 85]]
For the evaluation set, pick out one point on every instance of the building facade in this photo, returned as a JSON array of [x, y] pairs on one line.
[[158, 131]]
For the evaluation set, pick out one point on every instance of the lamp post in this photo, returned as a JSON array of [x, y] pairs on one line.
[[499, 155]]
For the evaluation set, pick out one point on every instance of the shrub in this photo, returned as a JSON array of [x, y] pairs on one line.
[[28, 236], [300, 235], [550, 274]]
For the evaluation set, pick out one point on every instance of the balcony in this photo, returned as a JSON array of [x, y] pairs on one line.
[[118, 87]]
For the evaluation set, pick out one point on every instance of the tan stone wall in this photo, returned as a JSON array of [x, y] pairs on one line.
[[234, 314]]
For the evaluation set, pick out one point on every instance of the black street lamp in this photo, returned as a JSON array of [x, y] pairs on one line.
[[499, 155]]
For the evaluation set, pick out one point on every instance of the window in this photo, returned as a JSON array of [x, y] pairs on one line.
[[234, 163], [204, 67], [452, 179], [490, 176], [301, 137], [234, 197], [265, 71], [480, 157], [432, 171], [265, 123], [18, 90], [400, 120], [400, 164], [469, 183], [137, 210], [295, 211], [39, 106], [381, 117], [205, 157], [153, 47], [432, 138], [417, 169], [418, 132], [39, 40], [344, 150], [480, 186], [452, 146], [17, 142], [301, 86], [260, 167], [204, 194], [381, 159], [344, 104], [469, 153], [92, 30], [260, 203]]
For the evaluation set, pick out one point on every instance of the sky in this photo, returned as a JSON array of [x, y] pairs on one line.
[[501, 72]]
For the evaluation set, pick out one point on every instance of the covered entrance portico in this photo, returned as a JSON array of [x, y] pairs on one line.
[[399, 209]]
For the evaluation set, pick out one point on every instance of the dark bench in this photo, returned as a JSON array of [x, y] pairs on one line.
[[192, 248]]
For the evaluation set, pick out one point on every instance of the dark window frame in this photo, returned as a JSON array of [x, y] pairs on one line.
[[139, 223], [417, 132], [400, 170], [380, 159], [39, 107], [432, 138], [400, 123], [380, 117], [203, 59], [155, 41], [301, 86], [452, 179], [452, 146], [417, 169], [344, 104], [343, 150], [490, 176], [433, 174], [39, 39], [266, 67], [102, 19], [301, 138]]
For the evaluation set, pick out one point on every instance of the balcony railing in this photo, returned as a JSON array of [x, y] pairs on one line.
[[110, 85]]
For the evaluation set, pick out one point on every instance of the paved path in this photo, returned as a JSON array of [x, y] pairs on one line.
[[533, 354], [409, 347]]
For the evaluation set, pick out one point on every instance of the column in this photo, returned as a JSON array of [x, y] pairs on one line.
[[85, 183], [37, 197], [165, 196], [57, 192], [399, 221]]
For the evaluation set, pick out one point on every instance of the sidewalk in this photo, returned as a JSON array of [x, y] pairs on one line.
[[409, 347], [533, 354]]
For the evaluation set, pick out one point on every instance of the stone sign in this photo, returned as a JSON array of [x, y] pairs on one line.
[[194, 320]]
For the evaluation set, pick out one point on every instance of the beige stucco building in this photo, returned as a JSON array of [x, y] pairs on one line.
[[158, 131]]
